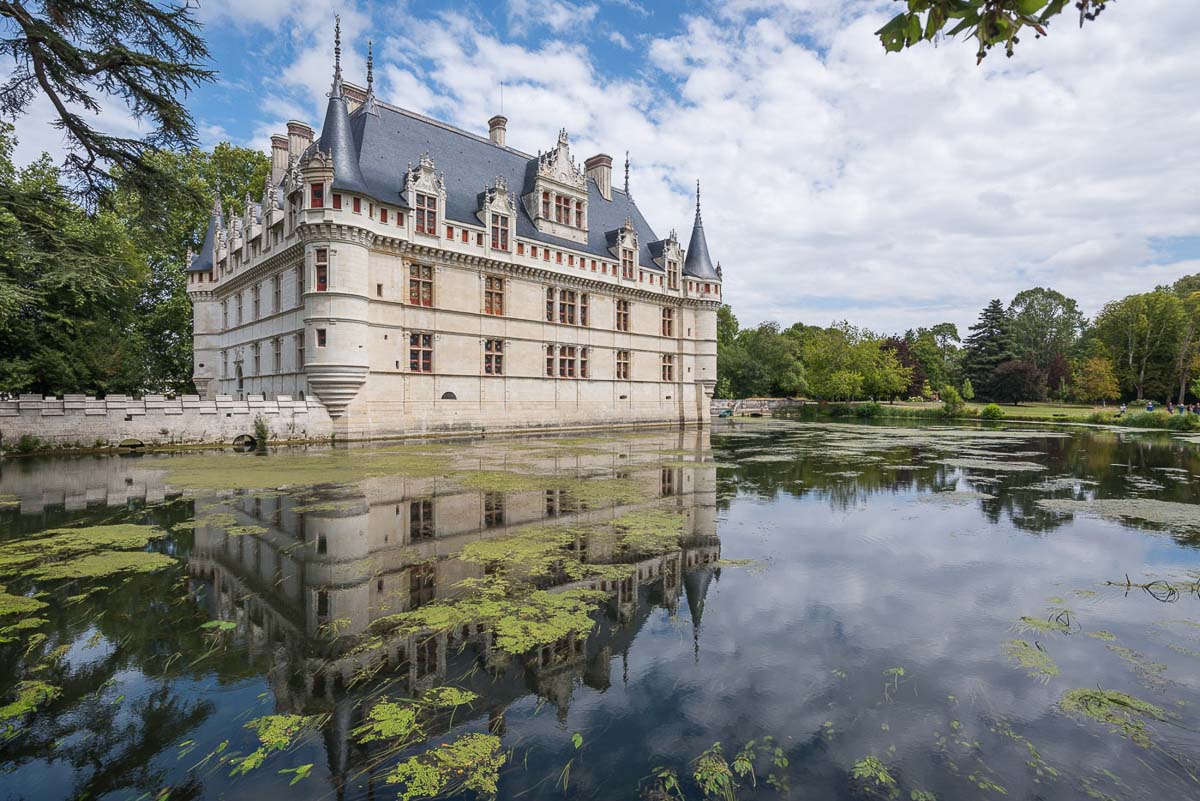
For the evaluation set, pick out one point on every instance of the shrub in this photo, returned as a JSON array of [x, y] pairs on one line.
[[991, 412], [262, 433], [28, 443], [840, 410], [1156, 419], [952, 402], [1184, 422], [868, 410]]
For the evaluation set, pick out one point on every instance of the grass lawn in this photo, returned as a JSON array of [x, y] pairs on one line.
[[1032, 411]]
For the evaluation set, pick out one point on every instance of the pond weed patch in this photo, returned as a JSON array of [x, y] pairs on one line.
[[92, 552]]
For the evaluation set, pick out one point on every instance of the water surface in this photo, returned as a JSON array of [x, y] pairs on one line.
[[781, 610]]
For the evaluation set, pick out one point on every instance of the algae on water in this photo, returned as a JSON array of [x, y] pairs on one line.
[[83, 553], [1120, 712]]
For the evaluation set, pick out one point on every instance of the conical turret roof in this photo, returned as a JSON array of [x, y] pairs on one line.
[[337, 140], [206, 259], [698, 264]]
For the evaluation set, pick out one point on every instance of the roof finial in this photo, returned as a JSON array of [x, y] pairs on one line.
[[337, 57], [626, 173], [697, 200], [370, 65]]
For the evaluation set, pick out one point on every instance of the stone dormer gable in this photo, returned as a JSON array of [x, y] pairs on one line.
[[424, 177], [666, 250], [496, 199], [558, 199], [623, 237]]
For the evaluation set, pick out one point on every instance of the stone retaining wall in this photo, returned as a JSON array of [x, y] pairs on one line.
[[749, 405], [84, 421]]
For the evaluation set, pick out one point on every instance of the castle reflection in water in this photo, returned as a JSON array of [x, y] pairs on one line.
[[304, 592]]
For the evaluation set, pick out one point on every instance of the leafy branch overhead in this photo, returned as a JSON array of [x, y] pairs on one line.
[[990, 22], [82, 55]]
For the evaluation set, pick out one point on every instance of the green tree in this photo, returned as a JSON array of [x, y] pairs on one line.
[[164, 312], [968, 391], [1096, 380], [1187, 351], [1017, 381], [68, 286], [727, 326], [762, 362], [1045, 324], [81, 55], [989, 22], [1141, 332], [989, 345]]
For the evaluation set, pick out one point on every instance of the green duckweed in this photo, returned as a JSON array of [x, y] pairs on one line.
[[388, 720], [472, 762], [17, 604], [83, 553], [29, 696], [1035, 661], [223, 471], [1120, 712], [275, 733]]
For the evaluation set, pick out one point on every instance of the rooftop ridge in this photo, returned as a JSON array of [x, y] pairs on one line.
[[438, 123]]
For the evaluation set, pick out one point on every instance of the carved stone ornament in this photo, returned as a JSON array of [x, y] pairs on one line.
[[424, 177], [558, 165]]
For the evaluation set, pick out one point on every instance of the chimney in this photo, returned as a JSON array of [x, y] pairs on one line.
[[497, 127], [599, 169], [300, 136], [279, 157]]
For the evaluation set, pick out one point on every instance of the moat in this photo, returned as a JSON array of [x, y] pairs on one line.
[[770, 610]]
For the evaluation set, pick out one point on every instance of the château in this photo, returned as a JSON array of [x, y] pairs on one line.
[[411, 276]]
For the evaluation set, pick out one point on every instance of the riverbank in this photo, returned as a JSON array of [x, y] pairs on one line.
[[1033, 413]]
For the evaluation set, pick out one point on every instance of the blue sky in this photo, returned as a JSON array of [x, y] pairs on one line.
[[840, 182]]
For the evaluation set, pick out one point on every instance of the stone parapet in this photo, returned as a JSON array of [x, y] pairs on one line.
[[83, 421]]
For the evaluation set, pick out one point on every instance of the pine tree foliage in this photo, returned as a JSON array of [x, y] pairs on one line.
[[989, 345], [84, 57]]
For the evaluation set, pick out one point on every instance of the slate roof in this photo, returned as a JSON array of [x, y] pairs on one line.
[[697, 263], [205, 260], [387, 143]]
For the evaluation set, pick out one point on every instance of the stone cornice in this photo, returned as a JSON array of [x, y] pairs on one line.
[[288, 256]]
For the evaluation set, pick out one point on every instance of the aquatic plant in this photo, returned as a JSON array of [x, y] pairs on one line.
[[298, 773], [472, 762], [1172, 515], [1120, 712], [47, 553], [871, 772], [519, 619], [1033, 658], [275, 733], [17, 604], [447, 697], [388, 720], [713, 774], [29, 696], [1058, 621]]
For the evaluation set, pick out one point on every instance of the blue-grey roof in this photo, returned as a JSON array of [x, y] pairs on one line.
[[337, 140], [697, 263], [387, 143], [206, 260]]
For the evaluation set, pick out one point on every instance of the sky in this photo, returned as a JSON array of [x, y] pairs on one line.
[[839, 182]]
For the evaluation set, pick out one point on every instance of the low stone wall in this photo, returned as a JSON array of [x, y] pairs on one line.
[[83, 421], [753, 405]]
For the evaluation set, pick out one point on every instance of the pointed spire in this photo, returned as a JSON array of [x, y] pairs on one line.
[[697, 263], [369, 106], [627, 173], [336, 91]]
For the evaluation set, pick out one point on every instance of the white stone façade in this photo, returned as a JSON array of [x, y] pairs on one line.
[[413, 277]]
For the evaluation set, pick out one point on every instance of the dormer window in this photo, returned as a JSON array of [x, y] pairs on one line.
[[578, 214], [426, 214], [499, 232], [546, 205], [672, 275], [627, 263], [317, 196], [562, 209]]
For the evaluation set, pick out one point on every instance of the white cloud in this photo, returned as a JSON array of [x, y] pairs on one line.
[[840, 182], [559, 16]]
